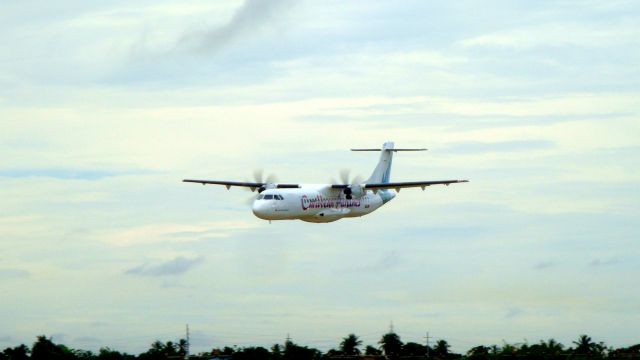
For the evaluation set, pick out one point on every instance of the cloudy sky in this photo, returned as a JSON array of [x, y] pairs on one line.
[[105, 106]]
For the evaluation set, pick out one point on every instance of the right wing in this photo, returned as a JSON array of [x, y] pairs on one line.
[[422, 184], [251, 185]]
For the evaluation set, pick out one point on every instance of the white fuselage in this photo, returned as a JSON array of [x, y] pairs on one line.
[[316, 203]]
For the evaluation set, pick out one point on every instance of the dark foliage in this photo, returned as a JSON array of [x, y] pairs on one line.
[[414, 349], [20, 352], [390, 345], [45, 349], [370, 350], [297, 352], [349, 345], [252, 353]]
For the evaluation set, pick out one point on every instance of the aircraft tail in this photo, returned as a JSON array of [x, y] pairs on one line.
[[382, 173]]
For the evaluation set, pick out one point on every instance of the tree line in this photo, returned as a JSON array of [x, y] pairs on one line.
[[389, 347]]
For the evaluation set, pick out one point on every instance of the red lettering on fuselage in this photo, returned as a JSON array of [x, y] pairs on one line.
[[321, 202]]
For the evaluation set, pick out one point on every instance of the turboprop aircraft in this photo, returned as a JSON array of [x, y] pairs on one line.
[[323, 203]]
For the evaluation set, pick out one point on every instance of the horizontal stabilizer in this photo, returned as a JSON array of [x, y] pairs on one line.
[[394, 150]]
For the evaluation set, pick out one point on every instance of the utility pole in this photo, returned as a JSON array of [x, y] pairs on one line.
[[427, 344], [186, 353]]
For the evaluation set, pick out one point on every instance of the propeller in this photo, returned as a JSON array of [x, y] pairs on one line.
[[258, 176], [249, 201], [346, 179]]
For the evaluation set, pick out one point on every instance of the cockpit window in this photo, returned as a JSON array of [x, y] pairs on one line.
[[270, 197]]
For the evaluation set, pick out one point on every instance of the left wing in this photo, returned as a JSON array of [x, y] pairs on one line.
[[421, 184], [251, 185]]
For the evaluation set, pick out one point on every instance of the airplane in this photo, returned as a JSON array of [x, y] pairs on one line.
[[324, 203]]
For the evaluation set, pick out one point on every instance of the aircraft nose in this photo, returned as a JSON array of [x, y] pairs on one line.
[[259, 209]]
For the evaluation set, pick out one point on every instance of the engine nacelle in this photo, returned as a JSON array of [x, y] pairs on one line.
[[354, 191], [266, 186]]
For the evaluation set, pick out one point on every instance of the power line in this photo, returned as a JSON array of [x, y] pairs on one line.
[[427, 344]]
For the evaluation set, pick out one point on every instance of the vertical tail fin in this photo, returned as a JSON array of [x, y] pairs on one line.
[[382, 172]]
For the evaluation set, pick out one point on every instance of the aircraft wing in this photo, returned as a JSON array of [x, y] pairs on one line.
[[251, 185], [421, 184]]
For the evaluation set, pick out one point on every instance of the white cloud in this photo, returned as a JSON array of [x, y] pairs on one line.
[[584, 104], [158, 233], [564, 34], [173, 267]]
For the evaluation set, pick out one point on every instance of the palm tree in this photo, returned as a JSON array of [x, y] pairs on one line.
[[552, 347], [391, 344], [584, 345], [276, 352], [183, 347], [441, 349], [170, 349], [349, 345]]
